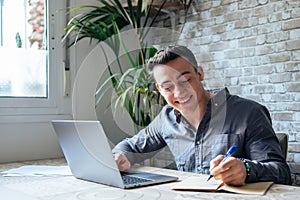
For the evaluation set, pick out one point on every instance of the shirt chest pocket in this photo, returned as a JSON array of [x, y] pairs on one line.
[[219, 144]]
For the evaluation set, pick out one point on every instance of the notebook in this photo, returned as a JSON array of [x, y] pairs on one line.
[[200, 183], [90, 158]]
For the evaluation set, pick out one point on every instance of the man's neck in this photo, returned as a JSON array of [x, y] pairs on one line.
[[197, 116]]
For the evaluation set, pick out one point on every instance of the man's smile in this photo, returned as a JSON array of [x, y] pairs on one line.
[[184, 101]]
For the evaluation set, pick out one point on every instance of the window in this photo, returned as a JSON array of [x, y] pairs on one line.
[[23, 49], [26, 132], [31, 57]]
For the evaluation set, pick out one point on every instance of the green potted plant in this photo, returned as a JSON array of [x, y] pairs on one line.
[[133, 86], [134, 89]]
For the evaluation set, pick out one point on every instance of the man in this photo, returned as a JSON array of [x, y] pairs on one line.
[[200, 126]]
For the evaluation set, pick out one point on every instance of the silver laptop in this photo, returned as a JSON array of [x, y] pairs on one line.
[[90, 158]]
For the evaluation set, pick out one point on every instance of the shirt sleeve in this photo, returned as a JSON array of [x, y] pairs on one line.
[[145, 144], [263, 152]]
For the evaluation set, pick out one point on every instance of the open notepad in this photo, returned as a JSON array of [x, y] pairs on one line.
[[200, 183]]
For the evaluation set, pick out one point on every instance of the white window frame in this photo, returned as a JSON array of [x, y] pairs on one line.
[[58, 101]]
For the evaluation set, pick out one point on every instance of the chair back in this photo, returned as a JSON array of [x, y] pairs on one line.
[[283, 141]]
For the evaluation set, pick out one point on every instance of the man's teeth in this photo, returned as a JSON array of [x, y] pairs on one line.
[[184, 101]]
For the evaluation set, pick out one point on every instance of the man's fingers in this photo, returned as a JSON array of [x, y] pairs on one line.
[[218, 168], [215, 162], [231, 172], [122, 162]]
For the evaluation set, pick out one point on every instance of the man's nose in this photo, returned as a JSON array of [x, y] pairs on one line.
[[178, 90]]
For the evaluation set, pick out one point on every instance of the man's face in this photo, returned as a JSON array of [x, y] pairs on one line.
[[180, 84]]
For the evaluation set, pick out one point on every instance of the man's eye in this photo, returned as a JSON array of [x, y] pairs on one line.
[[168, 88], [185, 80]]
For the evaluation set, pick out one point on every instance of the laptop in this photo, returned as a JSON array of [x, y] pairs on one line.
[[90, 158]]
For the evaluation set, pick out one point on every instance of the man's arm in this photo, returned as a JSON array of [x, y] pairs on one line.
[[143, 145], [262, 158], [264, 155]]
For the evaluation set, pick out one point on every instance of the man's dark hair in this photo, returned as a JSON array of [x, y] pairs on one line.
[[170, 53]]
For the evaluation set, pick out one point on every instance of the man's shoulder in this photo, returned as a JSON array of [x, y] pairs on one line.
[[238, 99], [248, 106], [224, 97], [244, 101]]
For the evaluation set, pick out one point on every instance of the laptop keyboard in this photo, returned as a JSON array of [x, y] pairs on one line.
[[129, 180]]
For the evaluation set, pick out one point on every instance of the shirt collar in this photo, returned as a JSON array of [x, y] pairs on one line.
[[220, 97]]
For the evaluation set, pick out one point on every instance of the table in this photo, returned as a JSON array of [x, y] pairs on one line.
[[70, 188]]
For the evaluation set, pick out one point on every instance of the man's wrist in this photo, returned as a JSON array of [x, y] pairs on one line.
[[247, 167]]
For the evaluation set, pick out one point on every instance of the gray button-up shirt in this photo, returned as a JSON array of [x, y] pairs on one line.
[[228, 120]]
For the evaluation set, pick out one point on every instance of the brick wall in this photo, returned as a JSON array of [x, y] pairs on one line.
[[253, 48]]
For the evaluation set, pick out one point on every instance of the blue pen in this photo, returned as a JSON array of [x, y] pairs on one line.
[[228, 154]]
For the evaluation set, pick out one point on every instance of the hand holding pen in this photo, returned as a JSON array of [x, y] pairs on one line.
[[228, 154]]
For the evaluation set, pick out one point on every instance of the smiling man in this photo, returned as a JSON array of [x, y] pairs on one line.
[[200, 126]]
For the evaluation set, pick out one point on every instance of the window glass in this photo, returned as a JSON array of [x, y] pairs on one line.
[[23, 49]]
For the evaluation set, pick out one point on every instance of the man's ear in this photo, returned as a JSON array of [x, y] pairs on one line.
[[200, 73]]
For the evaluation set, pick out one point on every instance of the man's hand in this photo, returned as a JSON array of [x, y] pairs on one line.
[[122, 162], [231, 172]]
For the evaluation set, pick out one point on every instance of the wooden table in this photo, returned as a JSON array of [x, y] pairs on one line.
[[69, 188]]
